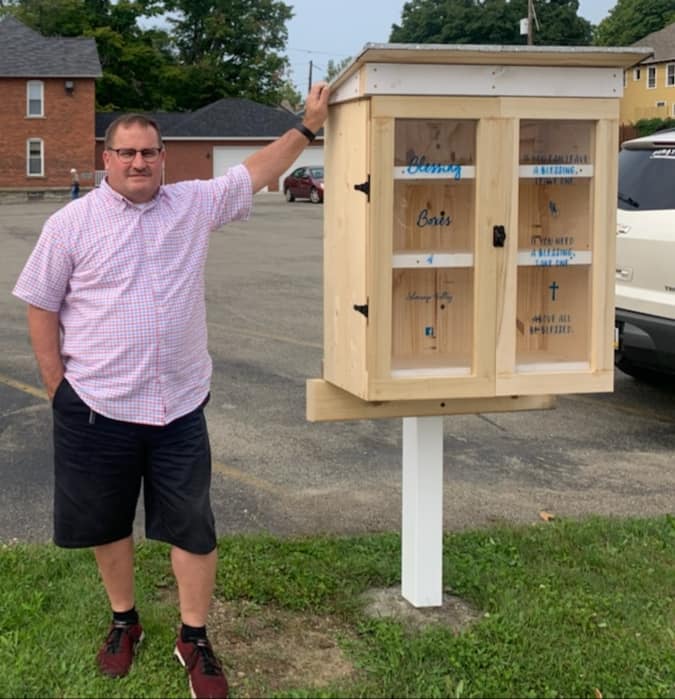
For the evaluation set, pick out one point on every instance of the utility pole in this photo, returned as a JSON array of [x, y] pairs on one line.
[[527, 23], [310, 77]]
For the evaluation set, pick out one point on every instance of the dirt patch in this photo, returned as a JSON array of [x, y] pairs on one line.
[[265, 649], [454, 613]]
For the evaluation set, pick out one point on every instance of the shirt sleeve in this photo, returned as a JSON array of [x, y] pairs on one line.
[[45, 277], [230, 196]]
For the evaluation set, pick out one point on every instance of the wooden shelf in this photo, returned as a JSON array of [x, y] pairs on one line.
[[554, 257], [554, 170], [432, 366], [429, 258], [553, 367]]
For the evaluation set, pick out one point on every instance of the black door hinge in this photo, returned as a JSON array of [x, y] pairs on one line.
[[364, 187], [361, 308]]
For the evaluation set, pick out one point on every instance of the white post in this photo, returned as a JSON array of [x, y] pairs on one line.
[[422, 521]]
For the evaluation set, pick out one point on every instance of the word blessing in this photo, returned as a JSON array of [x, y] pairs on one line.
[[556, 170], [419, 165], [552, 257]]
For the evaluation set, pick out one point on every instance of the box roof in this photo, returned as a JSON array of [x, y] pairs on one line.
[[485, 54]]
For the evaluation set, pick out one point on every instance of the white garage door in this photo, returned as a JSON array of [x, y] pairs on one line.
[[225, 157]]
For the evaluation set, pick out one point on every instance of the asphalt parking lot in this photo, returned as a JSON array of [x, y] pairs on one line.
[[610, 454]]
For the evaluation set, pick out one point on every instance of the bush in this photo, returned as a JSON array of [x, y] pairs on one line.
[[645, 127]]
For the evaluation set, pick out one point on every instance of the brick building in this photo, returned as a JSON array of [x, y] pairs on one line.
[[47, 110]]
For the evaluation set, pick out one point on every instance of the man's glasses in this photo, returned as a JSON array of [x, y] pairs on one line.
[[127, 155]]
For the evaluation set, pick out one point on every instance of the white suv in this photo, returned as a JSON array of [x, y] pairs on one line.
[[645, 256]]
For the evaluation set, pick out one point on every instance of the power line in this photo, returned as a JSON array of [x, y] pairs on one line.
[[325, 53]]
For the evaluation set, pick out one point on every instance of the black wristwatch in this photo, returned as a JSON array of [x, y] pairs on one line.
[[307, 133]]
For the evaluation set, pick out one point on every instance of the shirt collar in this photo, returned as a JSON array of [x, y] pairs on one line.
[[123, 202]]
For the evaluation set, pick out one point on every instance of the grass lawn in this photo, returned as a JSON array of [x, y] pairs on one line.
[[566, 609]]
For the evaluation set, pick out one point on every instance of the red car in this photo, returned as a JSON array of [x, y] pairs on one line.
[[305, 182]]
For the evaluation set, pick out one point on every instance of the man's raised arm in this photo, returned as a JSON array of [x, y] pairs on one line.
[[269, 163]]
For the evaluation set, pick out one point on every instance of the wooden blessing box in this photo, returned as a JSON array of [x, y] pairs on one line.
[[470, 219]]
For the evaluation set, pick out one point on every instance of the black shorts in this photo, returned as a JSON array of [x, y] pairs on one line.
[[100, 464]]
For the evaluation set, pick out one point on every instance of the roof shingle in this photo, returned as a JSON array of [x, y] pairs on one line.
[[235, 118], [24, 53], [663, 43], [229, 117]]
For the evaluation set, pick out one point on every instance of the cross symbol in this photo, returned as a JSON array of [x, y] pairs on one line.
[[553, 287]]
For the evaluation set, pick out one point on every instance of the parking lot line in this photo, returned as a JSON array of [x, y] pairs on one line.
[[26, 388], [253, 481], [226, 471]]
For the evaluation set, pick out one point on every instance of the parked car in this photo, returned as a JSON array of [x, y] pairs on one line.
[[305, 182], [645, 256]]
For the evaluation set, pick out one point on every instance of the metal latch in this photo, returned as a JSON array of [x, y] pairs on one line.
[[364, 187], [361, 308], [498, 236]]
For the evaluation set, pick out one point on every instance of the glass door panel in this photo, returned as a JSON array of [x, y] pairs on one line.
[[555, 245], [423, 146], [553, 318], [554, 221], [433, 246], [434, 217], [433, 321]]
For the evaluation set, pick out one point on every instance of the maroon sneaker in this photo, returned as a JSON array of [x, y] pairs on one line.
[[117, 654], [207, 679]]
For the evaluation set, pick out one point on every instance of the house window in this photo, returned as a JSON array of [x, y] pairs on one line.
[[670, 74], [35, 98], [636, 74], [651, 77], [660, 103], [35, 157]]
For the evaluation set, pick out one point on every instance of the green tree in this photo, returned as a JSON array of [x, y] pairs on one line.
[[77, 17], [490, 22], [236, 42], [52, 17], [631, 20], [135, 71], [333, 68], [289, 96]]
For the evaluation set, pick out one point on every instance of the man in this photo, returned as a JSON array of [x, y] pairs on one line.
[[74, 184], [117, 319]]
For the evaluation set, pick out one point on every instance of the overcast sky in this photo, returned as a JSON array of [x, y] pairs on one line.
[[335, 29]]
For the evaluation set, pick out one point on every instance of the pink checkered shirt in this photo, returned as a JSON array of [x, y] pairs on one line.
[[128, 283]]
